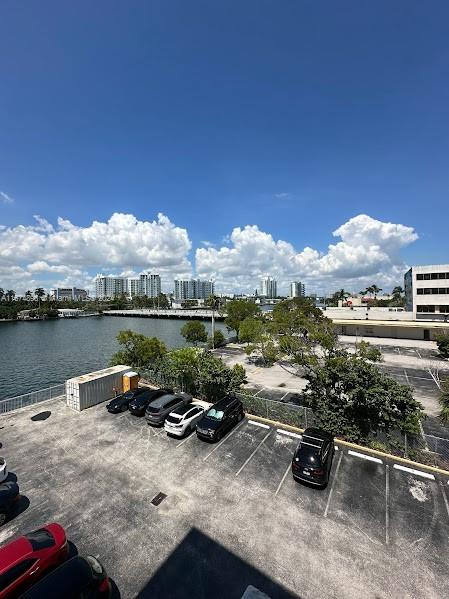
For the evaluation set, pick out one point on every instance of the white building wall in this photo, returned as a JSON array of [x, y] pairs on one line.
[[427, 291]]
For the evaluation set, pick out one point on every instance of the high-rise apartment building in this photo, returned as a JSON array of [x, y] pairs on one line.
[[268, 287], [150, 285], [133, 287], [427, 291], [193, 289], [297, 289], [110, 287]]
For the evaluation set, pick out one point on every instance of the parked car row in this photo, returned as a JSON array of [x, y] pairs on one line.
[[311, 462], [38, 565]]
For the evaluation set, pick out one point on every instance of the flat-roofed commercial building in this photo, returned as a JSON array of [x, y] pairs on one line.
[[70, 293], [427, 292]]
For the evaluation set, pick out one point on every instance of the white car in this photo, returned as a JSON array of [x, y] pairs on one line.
[[183, 420], [3, 470]]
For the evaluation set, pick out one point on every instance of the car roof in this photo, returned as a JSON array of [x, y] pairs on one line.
[[314, 437], [161, 401], [14, 553], [181, 410], [66, 580], [224, 403]]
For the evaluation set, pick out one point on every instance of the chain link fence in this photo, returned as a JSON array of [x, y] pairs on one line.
[[424, 449], [28, 399]]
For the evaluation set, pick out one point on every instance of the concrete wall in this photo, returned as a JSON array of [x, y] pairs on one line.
[[362, 313], [365, 329]]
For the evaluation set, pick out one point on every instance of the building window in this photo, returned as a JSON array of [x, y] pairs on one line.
[[433, 291], [432, 276], [444, 309], [425, 308]]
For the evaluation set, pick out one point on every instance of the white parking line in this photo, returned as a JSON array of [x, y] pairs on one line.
[[286, 393], [258, 424], [223, 440], [365, 457], [387, 505], [191, 436], [413, 471], [437, 382], [406, 377], [332, 486], [288, 433], [260, 390], [282, 480], [252, 455]]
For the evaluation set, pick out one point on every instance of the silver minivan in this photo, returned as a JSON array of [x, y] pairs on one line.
[[161, 407]]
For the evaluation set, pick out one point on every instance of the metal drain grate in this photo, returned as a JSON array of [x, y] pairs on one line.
[[158, 499]]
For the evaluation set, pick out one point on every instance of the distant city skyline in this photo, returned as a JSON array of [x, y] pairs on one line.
[[200, 141]]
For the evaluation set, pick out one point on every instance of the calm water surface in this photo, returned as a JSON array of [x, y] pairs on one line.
[[35, 355]]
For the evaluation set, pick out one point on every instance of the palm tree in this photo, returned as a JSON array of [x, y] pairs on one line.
[[213, 302], [342, 294], [397, 292], [2, 293], [375, 289], [28, 296], [39, 293], [10, 295]]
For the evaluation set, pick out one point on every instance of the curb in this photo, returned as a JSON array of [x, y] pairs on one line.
[[375, 452]]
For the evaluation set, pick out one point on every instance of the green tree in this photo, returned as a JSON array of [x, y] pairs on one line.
[[2, 293], [194, 332], [354, 399], [28, 296], [237, 310], [367, 352], [138, 350], [217, 339], [442, 340], [39, 293], [255, 332], [10, 295]]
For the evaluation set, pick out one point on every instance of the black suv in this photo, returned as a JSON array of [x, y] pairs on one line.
[[222, 416], [121, 402], [139, 404], [312, 461]]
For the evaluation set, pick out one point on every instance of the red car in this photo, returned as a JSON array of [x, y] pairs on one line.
[[27, 559]]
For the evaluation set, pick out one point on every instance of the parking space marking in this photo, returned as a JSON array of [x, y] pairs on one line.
[[285, 394], [446, 503], [364, 456], [420, 356], [258, 424], [406, 377], [413, 471], [253, 453], [436, 381], [288, 433], [191, 436], [223, 440], [387, 505], [260, 390], [332, 486], [282, 480]]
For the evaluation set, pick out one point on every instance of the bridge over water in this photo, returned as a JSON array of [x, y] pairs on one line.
[[155, 313]]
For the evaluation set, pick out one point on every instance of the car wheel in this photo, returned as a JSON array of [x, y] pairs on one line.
[[218, 437], [3, 518]]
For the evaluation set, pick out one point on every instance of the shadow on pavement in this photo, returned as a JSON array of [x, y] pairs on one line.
[[202, 568], [41, 416]]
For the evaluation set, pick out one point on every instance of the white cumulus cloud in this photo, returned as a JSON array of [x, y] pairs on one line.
[[368, 251], [122, 243], [5, 198]]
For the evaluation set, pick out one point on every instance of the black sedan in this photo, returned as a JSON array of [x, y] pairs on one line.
[[312, 461], [121, 402], [140, 403]]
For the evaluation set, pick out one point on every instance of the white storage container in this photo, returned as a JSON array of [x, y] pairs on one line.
[[95, 387]]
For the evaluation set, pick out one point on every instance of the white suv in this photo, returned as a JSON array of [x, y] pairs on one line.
[[183, 419]]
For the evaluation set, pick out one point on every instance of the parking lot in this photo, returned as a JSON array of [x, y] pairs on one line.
[[232, 515]]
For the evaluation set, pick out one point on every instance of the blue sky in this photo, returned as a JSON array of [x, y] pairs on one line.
[[293, 116]]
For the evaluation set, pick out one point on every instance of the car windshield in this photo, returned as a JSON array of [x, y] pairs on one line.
[[173, 419], [308, 455], [215, 414], [153, 409], [128, 395], [40, 539]]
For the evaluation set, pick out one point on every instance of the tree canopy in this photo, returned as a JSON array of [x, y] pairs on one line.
[[237, 310], [138, 350], [194, 332]]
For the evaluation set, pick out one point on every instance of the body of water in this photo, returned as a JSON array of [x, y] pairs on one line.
[[35, 355]]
